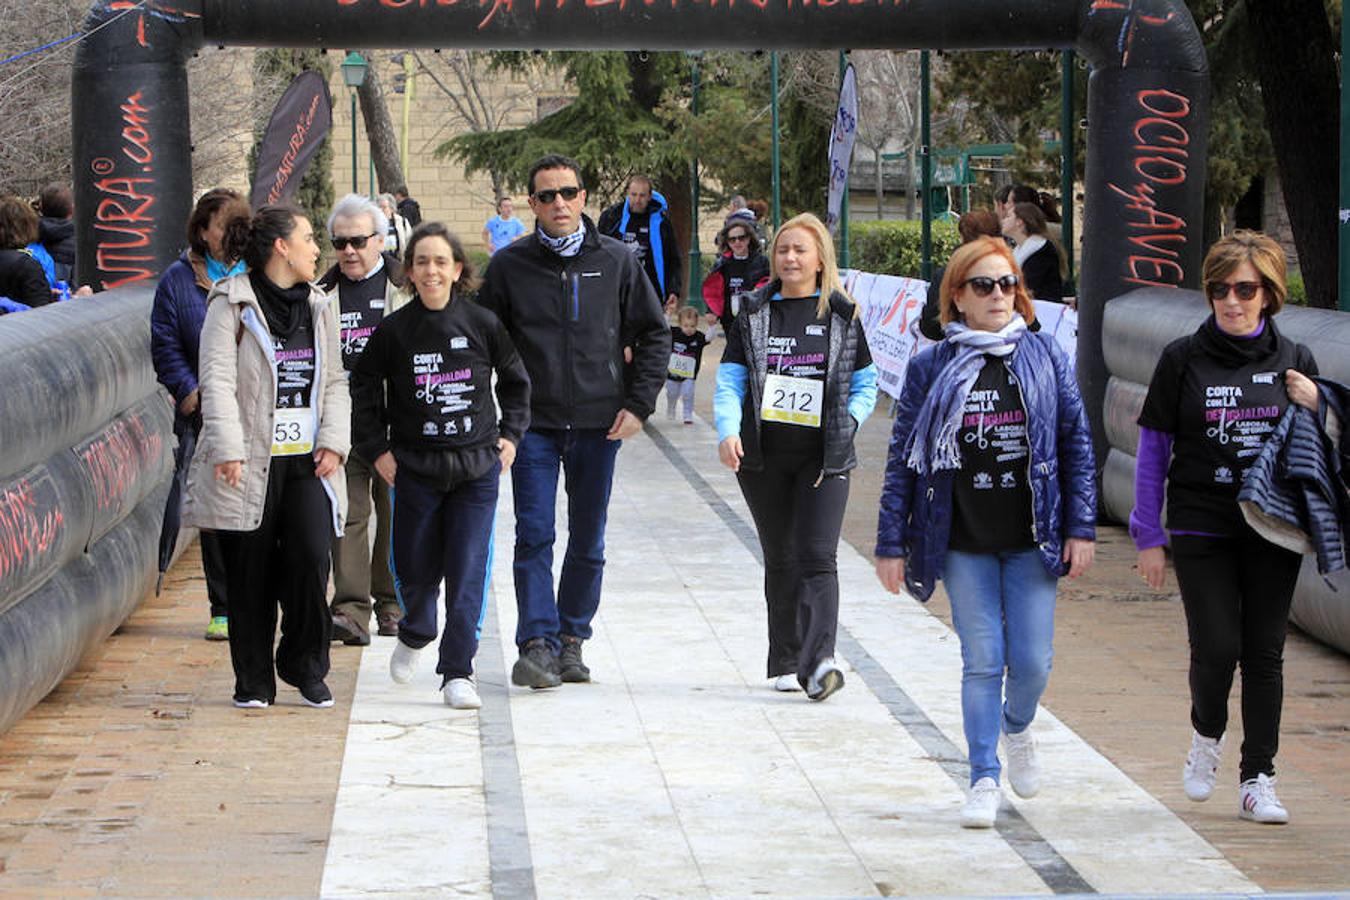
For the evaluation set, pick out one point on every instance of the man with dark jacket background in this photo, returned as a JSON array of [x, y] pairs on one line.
[[572, 301], [642, 222], [56, 229]]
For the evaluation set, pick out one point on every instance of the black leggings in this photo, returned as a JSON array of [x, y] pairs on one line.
[[798, 524], [284, 562], [1237, 592]]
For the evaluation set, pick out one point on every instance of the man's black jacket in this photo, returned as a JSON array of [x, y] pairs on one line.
[[570, 319]]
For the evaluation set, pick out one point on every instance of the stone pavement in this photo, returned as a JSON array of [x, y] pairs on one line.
[[678, 772]]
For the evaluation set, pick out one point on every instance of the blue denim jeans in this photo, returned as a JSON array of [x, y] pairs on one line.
[[587, 460], [1003, 608]]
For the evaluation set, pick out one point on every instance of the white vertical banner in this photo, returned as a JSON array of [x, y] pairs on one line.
[[842, 134], [889, 307]]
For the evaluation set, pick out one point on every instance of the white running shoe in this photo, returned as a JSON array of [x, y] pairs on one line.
[[460, 693], [825, 680], [787, 683], [982, 805], [402, 663], [1024, 769], [1257, 801], [1202, 766]]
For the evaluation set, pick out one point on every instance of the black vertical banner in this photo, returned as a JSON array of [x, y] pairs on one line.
[[301, 120]]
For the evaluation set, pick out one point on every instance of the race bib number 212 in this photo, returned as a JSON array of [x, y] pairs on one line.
[[792, 401]]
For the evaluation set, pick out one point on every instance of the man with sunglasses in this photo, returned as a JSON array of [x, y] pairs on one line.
[[572, 301], [363, 285]]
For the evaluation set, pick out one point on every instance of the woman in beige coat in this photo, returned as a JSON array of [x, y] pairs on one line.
[[276, 419]]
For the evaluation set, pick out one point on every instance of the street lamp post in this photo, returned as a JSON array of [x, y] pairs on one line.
[[695, 254], [354, 75]]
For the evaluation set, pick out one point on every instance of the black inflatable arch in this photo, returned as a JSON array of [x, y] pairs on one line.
[[1147, 118]]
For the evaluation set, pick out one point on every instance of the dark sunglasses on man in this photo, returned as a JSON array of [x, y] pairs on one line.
[[548, 195], [1246, 290], [983, 285], [358, 241]]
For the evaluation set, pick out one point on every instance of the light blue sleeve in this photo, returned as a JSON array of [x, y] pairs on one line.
[[732, 381], [862, 393]]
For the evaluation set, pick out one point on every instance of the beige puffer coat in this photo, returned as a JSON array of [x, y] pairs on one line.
[[238, 379]]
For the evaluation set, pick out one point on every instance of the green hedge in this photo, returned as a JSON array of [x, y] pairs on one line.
[[893, 247]]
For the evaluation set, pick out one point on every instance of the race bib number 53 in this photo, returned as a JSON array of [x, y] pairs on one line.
[[792, 401], [293, 432]]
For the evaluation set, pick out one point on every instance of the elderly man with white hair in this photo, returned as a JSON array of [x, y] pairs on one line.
[[364, 285]]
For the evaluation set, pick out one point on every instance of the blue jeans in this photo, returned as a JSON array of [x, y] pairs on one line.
[[587, 459], [1003, 608]]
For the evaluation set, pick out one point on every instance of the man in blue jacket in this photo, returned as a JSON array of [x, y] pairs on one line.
[[642, 222], [572, 301]]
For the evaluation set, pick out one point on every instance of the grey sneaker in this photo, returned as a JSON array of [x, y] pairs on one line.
[[536, 667], [570, 666]]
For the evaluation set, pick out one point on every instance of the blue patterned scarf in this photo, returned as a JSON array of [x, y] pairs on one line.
[[567, 245], [932, 443]]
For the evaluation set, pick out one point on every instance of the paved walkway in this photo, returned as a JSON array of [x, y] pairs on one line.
[[676, 773]]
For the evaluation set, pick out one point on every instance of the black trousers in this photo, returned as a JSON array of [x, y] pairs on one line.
[[283, 563], [1237, 592], [798, 524], [444, 536], [217, 550]]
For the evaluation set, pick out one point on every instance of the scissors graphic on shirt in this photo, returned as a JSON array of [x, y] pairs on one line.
[[977, 437], [1219, 431]]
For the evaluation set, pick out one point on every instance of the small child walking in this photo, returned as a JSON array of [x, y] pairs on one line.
[[686, 355]]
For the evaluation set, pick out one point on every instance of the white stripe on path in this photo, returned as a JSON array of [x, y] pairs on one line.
[[679, 773]]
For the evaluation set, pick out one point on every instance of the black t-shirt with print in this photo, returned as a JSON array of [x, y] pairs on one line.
[[1219, 397], [991, 498], [734, 272], [295, 383], [798, 346], [637, 234], [361, 309], [687, 346]]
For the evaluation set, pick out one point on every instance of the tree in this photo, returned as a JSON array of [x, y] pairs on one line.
[[273, 72], [477, 102], [888, 111], [384, 149], [1294, 57]]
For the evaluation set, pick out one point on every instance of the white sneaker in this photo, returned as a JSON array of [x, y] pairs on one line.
[[402, 663], [825, 680], [1024, 769], [460, 693], [982, 805], [787, 683], [1202, 766], [1257, 801]]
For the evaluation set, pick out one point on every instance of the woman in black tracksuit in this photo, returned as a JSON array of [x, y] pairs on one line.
[[438, 443], [795, 382]]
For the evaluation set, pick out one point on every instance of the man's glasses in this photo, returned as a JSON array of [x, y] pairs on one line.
[[1245, 290], [357, 240], [548, 195], [737, 238], [983, 285]]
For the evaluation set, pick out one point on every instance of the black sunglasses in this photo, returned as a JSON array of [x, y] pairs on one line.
[[738, 237], [1218, 290], [358, 241], [548, 195], [983, 285]]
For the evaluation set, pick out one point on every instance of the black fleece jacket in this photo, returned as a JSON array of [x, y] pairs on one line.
[[571, 318]]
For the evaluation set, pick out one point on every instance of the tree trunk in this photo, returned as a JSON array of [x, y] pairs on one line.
[[1295, 60], [384, 146]]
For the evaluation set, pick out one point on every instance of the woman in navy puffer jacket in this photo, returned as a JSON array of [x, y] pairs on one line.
[[990, 487], [175, 331]]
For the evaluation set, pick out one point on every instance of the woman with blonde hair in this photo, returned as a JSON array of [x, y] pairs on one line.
[[795, 383], [990, 487], [1214, 398]]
